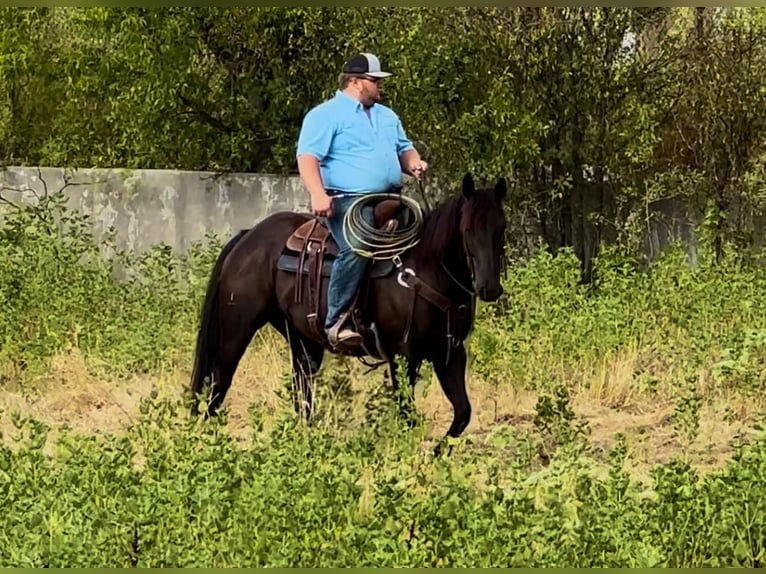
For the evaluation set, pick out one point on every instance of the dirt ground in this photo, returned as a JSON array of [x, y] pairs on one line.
[[71, 395]]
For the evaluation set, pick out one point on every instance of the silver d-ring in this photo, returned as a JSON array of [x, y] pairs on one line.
[[400, 278]]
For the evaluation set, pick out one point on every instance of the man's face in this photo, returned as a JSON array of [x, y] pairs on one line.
[[370, 90]]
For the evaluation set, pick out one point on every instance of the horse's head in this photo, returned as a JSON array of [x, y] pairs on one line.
[[482, 226]]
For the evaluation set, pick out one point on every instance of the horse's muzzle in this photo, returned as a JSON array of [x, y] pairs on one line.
[[490, 294]]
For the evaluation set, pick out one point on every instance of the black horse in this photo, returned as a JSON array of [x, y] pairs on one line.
[[422, 310]]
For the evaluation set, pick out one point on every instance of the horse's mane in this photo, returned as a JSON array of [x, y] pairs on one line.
[[441, 225]]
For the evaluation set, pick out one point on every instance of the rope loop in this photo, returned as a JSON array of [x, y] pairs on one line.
[[372, 243]]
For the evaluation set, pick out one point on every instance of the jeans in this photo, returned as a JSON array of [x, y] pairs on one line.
[[348, 268]]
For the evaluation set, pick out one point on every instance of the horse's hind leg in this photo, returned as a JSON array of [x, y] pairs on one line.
[[237, 330], [452, 379], [307, 357]]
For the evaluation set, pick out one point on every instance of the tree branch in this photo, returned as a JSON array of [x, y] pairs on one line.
[[202, 113]]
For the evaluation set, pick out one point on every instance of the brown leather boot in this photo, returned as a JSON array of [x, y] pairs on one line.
[[338, 334]]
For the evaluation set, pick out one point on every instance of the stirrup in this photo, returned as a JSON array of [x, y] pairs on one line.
[[343, 336], [334, 332]]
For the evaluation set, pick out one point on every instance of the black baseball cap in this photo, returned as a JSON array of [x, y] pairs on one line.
[[367, 64]]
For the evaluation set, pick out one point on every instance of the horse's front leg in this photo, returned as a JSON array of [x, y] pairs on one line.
[[406, 397], [451, 376]]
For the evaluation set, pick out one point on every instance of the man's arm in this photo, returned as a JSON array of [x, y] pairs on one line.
[[308, 168], [314, 143], [311, 176], [409, 158]]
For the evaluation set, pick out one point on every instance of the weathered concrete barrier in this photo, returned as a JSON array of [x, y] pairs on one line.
[[147, 207]]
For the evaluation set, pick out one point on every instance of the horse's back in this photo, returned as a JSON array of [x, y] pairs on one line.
[[263, 243], [273, 230], [281, 220]]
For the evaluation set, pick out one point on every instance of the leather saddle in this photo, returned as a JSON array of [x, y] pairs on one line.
[[310, 251], [384, 214], [314, 238]]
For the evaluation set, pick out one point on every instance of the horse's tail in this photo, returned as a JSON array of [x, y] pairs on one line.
[[208, 335]]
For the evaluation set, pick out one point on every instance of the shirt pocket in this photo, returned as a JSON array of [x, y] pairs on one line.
[[389, 132], [353, 137]]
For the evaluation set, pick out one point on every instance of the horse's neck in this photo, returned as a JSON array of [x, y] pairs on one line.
[[455, 263], [451, 266]]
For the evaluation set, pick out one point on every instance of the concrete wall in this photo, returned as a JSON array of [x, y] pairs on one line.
[[151, 206], [147, 207]]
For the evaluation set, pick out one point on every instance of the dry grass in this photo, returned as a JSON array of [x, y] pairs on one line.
[[605, 395]]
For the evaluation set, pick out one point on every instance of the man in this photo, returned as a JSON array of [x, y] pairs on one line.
[[350, 145]]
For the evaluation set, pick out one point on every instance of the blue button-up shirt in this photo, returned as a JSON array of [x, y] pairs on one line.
[[356, 153]]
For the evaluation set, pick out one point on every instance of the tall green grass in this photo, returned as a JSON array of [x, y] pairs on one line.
[[174, 493], [169, 491], [59, 288], [670, 315], [129, 313]]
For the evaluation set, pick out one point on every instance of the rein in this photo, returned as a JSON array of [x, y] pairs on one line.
[[458, 283]]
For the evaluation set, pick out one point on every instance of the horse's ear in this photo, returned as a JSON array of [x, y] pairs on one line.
[[468, 186], [500, 189]]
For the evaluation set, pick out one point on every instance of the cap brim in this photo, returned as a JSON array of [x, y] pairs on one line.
[[378, 74]]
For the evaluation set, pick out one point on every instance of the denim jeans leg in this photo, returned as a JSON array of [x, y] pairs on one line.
[[348, 268]]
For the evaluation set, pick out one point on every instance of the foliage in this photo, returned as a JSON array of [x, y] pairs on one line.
[[673, 314], [55, 276], [581, 107], [592, 131], [705, 316], [179, 493]]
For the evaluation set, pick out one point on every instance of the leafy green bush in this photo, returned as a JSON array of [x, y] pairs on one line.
[[175, 492], [674, 312], [58, 290]]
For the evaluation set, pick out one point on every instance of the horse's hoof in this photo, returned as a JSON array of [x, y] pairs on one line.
[[440, 449]]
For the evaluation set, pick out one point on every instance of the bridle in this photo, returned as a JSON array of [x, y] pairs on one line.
[[471, 270], [408, 278]]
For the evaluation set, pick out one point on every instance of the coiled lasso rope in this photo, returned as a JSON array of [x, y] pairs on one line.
[[372, 243]]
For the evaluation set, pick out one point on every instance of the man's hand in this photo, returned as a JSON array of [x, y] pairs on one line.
[[411, 163], [418, 168], [321, 204]]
